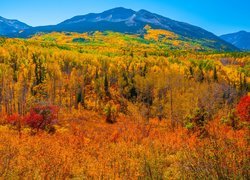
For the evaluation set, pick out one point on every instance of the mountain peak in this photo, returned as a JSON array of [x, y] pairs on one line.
[[143, 11], [243, 32], [119, 10], [118, 13], [239, 39], [9, 26]]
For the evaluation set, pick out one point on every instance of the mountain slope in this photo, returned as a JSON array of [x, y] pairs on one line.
[[240, 39], [153, 39], [132, 22], [8, 26]]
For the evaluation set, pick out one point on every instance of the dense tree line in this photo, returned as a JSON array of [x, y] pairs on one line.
[[167, 86]]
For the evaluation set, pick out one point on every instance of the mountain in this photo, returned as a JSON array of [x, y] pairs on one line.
[[8, 26], [239, 39], [131, 22]]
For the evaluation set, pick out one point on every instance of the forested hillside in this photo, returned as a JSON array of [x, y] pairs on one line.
[[115, 106]]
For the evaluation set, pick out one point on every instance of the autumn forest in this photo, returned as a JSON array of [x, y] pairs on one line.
[[107, 105]]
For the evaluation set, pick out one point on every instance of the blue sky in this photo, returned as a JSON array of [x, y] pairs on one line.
[[217, 16]]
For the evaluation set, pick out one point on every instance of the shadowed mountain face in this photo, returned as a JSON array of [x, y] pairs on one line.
[[126, 21], [133, 22], [240, 39], [8, 26]]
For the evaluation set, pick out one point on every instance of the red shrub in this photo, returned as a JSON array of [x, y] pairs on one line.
[[42, 117], [243, 108], [13, 119]]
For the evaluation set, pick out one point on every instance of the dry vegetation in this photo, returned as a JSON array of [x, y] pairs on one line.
[[86, 147]]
